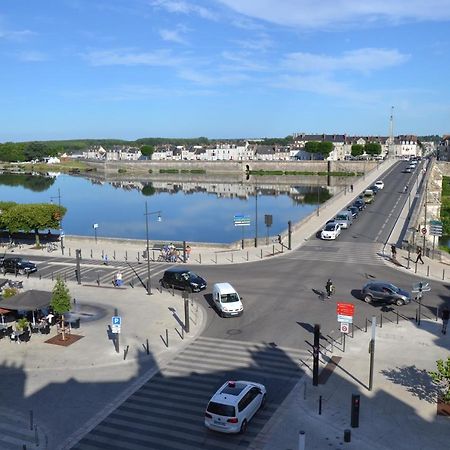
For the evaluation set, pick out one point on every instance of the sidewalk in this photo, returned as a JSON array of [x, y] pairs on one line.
[[50, 380], [399, 413]]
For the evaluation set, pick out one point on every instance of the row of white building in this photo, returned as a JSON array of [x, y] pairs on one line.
[[400, 146]]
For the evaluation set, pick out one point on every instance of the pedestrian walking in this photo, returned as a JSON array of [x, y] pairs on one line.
[[445, 315], [394, 252], [419, 255], [105, 260], [329, 288]]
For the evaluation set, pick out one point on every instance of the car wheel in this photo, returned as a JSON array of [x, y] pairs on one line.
[[21, 272], [399, 302], [164, 285], [244, 426], [368, 298], [189, 289]]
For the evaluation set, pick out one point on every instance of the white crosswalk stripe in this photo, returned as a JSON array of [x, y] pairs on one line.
[[335, 251], [167, 412], [15, 432]]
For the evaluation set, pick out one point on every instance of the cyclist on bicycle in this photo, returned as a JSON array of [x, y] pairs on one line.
[[329, 287]]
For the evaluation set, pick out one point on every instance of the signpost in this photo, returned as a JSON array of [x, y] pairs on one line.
[[345, 313], [435, 230], [423, 231], [241, 220], [116, 323], [419, 288], [345, 328], [268, 220]]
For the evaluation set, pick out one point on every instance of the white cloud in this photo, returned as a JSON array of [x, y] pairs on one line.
[[241, 61], [16, 35], [311, 14], [32, 56], [184, 7], [361, 60], [172, 36], [261, 44], [127, 57]]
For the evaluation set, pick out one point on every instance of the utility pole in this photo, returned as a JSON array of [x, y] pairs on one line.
[[372, 352], [424, 250]]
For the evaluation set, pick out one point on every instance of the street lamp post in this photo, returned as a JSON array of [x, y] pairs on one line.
[[149, 288], [61, 232], [95, 226]]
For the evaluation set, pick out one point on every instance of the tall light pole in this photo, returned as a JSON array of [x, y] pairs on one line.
[[256, 215], [61, 232], [149, 287]]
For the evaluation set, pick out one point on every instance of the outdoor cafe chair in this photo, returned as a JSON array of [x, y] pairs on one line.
[[25, 336], [45, 330], [13, 338]]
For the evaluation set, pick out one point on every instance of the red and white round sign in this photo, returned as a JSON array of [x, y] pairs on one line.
[[424, 230], [344, 327]]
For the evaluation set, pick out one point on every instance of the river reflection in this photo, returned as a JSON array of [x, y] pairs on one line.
[[191, 210]]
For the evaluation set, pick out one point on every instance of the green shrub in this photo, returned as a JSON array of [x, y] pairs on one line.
[[169, 171], [121, 170], [198, 171]]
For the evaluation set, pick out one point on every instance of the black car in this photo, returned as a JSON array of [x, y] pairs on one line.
[[182, 278], [359, 204], [354, 210], [18, 265], [375, 189]]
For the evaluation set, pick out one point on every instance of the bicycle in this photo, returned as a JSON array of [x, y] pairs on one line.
[[51, 247]]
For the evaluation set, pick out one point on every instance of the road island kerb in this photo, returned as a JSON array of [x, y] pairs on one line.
[[399, 413], [152, 333]]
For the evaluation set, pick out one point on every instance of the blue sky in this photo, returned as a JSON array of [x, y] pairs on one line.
[[222, 68]]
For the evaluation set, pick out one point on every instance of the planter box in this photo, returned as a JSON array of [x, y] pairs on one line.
[[443, 409]]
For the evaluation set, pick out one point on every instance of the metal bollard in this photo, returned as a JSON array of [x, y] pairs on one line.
[[428, 271], [126, 255], [381, 320], [114, 254], [125, 352], [40, 276], [366, 326], [397, 315], [31, 419], [36, 436], [69, 251], [98, 280], [91, 253], [153, 255], [167, 338], [273, 250], [443, 274], [231, 256], [320, 405], [347, 435], [215, 258], [301, 440], [261, 254], [415, 268], [247, 255], [52, 276], [200, 258], [147, 348], [437, 313], [103, 254]]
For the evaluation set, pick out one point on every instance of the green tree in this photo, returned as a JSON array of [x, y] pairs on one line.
[[442, 378], [373, 148], [312, 147], [147, 150], [60, 302], [32, 217], [10, 151], [325, 148], [35, 150], [148, 189], [357, 149]]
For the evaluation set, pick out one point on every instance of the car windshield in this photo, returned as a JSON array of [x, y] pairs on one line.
[[220, 409], [229, 298], [341, 217], [330, 227], [393, 288]]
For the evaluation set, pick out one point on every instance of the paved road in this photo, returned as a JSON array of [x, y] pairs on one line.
[[168, 411]]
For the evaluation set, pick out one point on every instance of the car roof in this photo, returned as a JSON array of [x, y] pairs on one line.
[[379, 283], [177, 270], [225, 288], [231, 392]]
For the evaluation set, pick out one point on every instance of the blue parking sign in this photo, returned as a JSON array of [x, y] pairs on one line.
[[117, 320]]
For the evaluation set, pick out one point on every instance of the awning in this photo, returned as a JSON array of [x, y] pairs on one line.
[[27, 301]]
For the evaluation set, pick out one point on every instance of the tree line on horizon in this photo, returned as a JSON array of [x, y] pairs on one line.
[[28, 151]]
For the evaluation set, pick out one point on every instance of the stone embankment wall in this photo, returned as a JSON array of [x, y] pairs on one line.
[[237, 166]]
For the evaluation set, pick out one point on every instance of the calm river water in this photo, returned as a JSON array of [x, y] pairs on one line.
[[202, 212]]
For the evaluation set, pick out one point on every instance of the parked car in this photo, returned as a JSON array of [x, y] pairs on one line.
[[407, 170], [227, 300], [368, 196], [331, 231], [359, 203], [354, 211], [374, 189], [380, 291], [182, 278], [18, 265], [379, 184], [344, 219], [233, 405]]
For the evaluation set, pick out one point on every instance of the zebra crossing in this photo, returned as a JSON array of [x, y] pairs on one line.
[[340, 252], [15, 432], [96, 272], [167, 412]]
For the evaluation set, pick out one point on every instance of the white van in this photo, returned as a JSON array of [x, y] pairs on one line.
[[227, 300]]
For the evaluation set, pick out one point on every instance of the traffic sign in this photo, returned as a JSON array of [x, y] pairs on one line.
[[345, 328], [435, 228], [115, 329], [116, 320], [423, 231], [422, 286], [241, 221], [345, 309], [344, 319]]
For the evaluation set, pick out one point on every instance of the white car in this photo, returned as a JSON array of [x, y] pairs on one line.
[[233, 405], [379, 184], [331, 231]]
